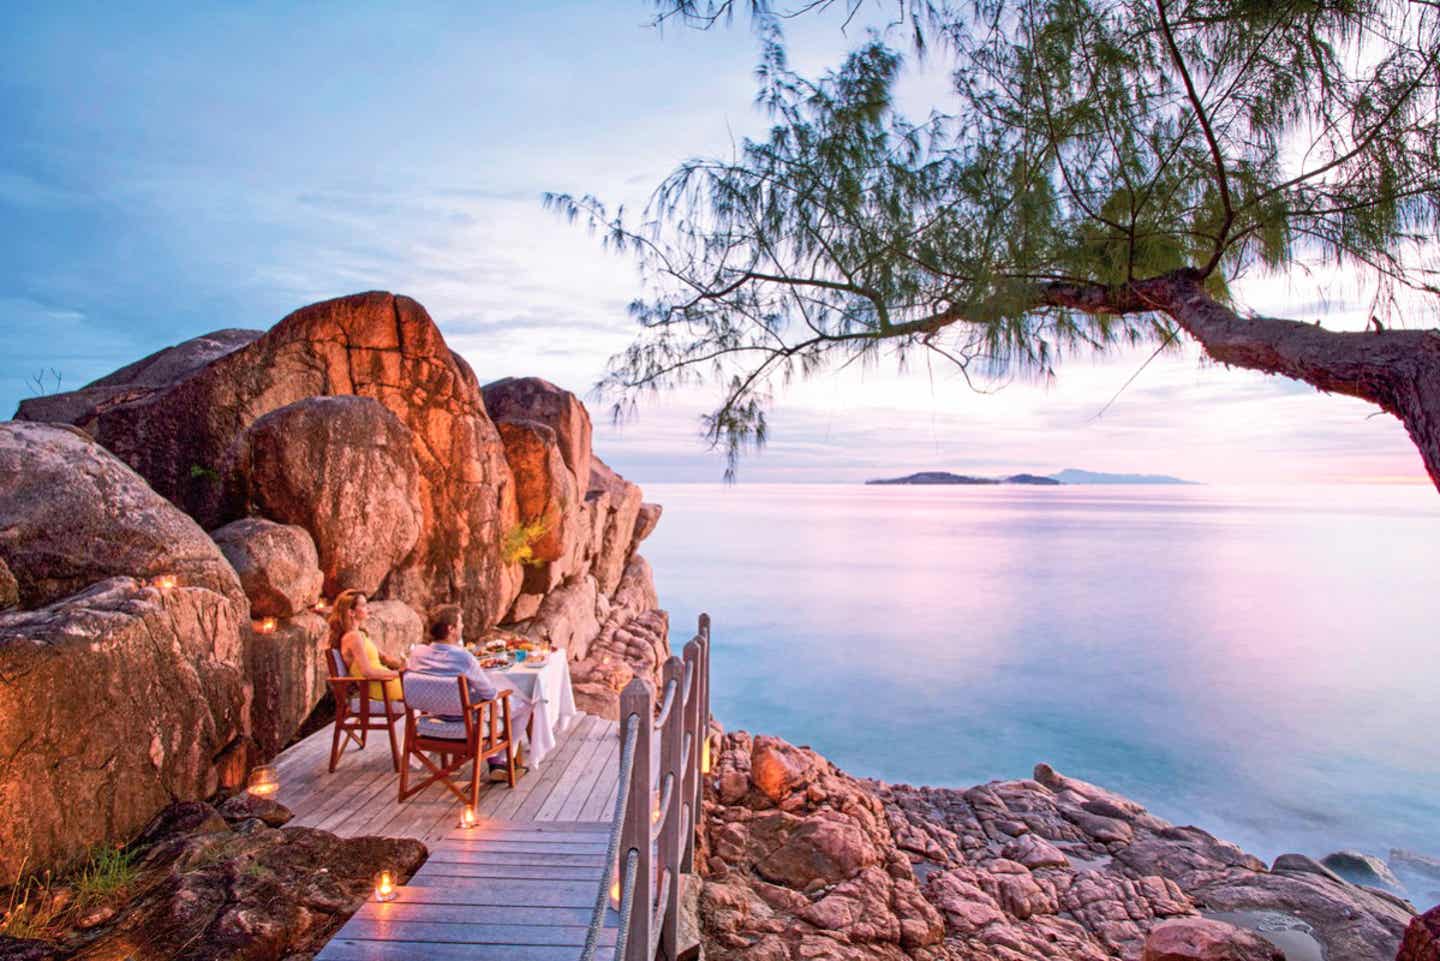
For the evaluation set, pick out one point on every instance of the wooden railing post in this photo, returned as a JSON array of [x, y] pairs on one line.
[[672, 743], [636, 699], [695, 731]]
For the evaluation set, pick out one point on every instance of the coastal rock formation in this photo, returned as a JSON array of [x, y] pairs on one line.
[[374, 345], [533, 399], [800, 862], [1422, 938], [9, 588], [1050, 868], [342, 468], [287, 668], [1198, 939], [224, 885], [395, 627], [1363, 869], [134, 381], [71, 514], [548, 500], [115, 701], [276, 563], [616, 504]]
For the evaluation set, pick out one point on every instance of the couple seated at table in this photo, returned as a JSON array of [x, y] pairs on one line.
[[444, 657]]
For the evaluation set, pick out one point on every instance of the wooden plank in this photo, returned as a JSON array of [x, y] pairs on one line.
[[358, 806], [432, 932], [460, 869], [473, 913], [541, 780], [590, 753], [539, 847], [338, 796], [444, 856], [554, 894], [606, 757], [344, 949], [600, 805], [537, 834]]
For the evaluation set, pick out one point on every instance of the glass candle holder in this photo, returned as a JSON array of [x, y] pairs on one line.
[[385, 885], [166, 581], [265, 626], [468, 818], [263, 781]]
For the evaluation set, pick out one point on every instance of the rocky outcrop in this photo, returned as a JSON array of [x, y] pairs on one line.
[[71, 514], [1364, 869], [276, 563], [395, 627], [134, 381], [646, 521], [9, 588], [533, 399], [287, 668], [1050, 868], [226, 885], [342, 468], [549, 503], [800, 862], [374, 345], [1422, 938], [114, 702], [1199, 939], [615, 503]]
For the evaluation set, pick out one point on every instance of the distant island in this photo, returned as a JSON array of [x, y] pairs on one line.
[[1070, 475]]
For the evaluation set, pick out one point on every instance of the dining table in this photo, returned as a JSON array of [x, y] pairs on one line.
[[547, 688]]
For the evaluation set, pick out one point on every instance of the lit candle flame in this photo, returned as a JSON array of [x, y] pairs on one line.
[[467, 817], [705, 756], [266, 626], [384, 886], [167, 581]]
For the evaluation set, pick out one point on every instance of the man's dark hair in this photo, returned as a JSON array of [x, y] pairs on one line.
[[442, 619]]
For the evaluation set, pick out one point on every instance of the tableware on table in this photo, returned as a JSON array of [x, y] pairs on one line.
[[520, 655]]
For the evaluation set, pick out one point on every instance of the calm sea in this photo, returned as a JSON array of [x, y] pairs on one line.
[[1264, 663]]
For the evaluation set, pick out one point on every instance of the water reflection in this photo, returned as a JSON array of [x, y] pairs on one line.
[[1258, 662]]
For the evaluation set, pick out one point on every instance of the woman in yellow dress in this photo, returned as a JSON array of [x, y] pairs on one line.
[[362, 658]]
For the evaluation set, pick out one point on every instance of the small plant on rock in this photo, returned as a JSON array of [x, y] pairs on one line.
[[518, 545]]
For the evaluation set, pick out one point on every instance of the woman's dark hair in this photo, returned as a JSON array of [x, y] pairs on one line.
[[442, 619]]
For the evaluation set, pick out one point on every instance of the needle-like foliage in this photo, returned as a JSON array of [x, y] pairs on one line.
[[1091, 149]]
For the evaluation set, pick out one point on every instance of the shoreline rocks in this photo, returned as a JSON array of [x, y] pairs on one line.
[[1046, 868]]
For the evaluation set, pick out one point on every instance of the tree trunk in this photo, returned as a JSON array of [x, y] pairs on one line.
[[1397, 369]]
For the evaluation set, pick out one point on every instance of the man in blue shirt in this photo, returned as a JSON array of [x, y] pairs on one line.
[[445, 656]]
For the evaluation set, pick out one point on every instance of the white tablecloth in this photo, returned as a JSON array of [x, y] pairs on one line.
[[552, 700]]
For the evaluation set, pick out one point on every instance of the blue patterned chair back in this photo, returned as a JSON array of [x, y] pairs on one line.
[[337, 663], [434, 694]]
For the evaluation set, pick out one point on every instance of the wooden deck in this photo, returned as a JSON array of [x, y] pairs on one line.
[[576, 783], [521, 886]]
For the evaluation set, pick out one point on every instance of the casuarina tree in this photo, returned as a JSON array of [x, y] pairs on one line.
[[1102, 175]]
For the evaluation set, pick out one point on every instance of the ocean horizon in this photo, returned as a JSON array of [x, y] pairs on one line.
[[1257, 661]]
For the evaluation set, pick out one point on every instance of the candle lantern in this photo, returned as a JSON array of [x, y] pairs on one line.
[[263, 781], [468, 818], [705, 756], [265, 626], [615, 888], [166, 581], [385, 885]]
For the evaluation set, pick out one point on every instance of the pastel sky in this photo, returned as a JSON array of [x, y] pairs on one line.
[[167, 170]]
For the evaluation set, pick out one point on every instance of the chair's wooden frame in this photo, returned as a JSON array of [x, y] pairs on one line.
[[482, 739], [354, 726]]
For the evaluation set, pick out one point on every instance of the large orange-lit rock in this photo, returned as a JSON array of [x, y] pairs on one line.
[[530, 398], [342, 468], [72, 514], [375, 345], [115, 701]]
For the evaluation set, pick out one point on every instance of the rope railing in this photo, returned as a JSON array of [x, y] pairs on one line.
[[649, 851]]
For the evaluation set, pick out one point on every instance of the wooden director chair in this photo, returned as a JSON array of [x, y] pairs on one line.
[[356, 714], [432, 703]]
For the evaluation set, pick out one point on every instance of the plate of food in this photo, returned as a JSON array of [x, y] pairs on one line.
[[496, 662]]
